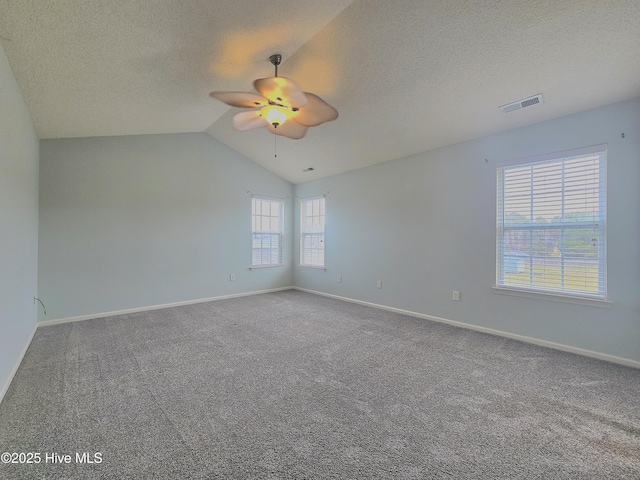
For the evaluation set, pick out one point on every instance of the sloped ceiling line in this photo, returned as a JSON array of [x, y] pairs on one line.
[[405, 76]]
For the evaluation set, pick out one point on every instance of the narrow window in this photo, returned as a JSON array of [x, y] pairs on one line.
[[312, 232], [551, 224], [267, 228]]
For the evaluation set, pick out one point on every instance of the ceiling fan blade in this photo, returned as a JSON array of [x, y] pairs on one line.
[[290, 128], [247, 120], [240, 99], [281, 90], [317, 111]]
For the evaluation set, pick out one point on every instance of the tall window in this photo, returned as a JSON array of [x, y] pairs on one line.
[[551, 223], [312, 232], [267, 227]]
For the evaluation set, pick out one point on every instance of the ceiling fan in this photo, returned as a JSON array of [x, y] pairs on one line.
[[281, 106]]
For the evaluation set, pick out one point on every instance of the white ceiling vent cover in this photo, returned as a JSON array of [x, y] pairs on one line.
[[525, 102]]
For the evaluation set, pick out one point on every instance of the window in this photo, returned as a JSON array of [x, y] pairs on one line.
[[267, 227], [551, 224], [312, 232]]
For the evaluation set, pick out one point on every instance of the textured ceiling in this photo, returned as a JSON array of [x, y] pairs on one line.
[[406, 76]]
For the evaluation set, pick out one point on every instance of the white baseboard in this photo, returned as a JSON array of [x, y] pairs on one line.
[[5, 387], [536, 341], [57, 321]]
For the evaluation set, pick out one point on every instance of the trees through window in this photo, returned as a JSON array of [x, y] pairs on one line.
[[312, 232], [267, 228], [551, 223]]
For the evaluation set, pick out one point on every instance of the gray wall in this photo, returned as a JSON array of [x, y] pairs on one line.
[[18, 223], [425, 226], [131, 222]]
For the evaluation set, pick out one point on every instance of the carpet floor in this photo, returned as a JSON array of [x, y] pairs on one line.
[[294, 385]]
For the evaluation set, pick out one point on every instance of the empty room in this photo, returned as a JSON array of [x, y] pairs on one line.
[[350, 239]]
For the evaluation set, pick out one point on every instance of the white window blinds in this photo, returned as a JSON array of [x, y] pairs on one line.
[[551, 224], [312, 232], [267, 227]]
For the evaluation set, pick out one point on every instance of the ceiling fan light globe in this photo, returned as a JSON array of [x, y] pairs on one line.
[[274, 114]]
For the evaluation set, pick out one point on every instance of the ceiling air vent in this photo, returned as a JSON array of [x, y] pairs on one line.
[[525, 102]]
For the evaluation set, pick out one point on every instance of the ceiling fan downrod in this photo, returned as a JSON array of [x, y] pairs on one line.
[[275, 60]]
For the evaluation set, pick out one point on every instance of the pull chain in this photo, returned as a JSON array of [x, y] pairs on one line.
[[275, 144]]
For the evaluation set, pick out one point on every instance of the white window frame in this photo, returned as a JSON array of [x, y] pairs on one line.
[[312, 232], [267, 225], [560, 285]]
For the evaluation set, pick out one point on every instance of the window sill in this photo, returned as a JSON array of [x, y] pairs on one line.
[[264, 267], [312, 267], [592, 302]]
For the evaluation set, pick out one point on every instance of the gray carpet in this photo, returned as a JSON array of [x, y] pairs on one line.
[[293, 385]]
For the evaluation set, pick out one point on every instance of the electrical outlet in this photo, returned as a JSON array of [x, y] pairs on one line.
[[379, 284], [339, 279], [232, 277], [456, 296]]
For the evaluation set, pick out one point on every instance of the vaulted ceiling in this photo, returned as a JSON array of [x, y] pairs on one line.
[[406, 76]]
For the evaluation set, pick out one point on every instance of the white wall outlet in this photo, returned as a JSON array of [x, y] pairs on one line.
[[456, 296], [232, 277], [379, 283], [339, 279]]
